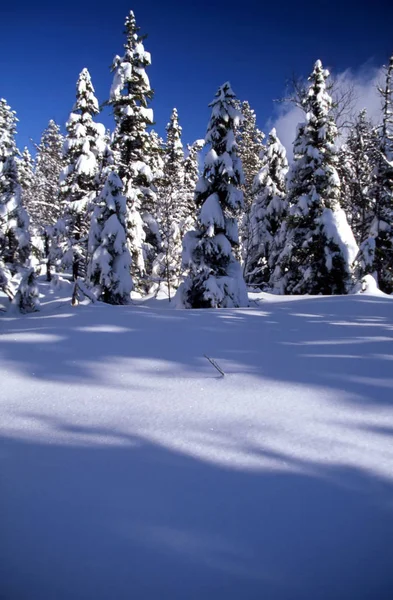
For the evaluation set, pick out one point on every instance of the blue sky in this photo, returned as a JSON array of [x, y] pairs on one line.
[[195, 47]]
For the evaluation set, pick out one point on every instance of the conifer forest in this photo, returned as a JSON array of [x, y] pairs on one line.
[[123, 210]]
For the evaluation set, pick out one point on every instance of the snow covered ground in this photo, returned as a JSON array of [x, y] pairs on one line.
[[130, 469]]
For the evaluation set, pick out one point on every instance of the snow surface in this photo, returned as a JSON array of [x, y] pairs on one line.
[[129, 468]]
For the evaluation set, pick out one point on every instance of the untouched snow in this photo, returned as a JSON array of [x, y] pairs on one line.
[[130, 469]]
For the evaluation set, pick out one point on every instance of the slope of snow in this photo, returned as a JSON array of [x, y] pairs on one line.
[[130, 469]]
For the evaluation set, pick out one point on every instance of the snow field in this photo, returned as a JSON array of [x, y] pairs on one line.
[[129, 467]]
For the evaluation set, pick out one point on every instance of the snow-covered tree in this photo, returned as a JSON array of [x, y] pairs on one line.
[[155, 161], [267, 213], [83, 150], [356, 166], [43, 200], [44, 206], [106, 160], [129, 98], [109, 258], [155, 151], [172, 207], [26, 299], [191, 177], [26, 176], [250, 150], [14, 221], [376, 252], [320, 246], [215, 278]]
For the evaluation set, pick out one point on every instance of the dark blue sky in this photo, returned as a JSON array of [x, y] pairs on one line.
[[195, 47]]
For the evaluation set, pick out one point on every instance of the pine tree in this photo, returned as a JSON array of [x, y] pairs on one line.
[[268, 211], [110, 260], [376, 252], [172, 207], [14, 221], [319, 242], [129, 98], [250, 150], [215, 279], [356, 166], [83, 150]]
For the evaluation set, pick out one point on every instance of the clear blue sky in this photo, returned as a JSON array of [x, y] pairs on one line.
[[195, 47]]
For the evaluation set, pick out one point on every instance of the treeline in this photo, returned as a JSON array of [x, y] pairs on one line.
[[124, 210]]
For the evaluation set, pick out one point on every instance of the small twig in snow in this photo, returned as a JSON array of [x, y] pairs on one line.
[[215, 365]]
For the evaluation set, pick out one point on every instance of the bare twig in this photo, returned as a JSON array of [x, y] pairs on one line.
[[215, 365], [343, 95]]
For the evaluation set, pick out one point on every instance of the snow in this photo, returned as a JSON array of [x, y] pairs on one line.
[[86, 163], [211, 213], [146, 114], [130, 467], [337, 228]]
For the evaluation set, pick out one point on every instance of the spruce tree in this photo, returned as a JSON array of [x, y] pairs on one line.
[[150, 216], [106, 160], [26, 176], [191, 177], [376, 252], [356, 168], [14, 221], [129, 98], [172, 207], [44, 206], [215, 279], [268, 211], [26, 299], [109, 258], [83, 149], [319, 242], [250, 150]]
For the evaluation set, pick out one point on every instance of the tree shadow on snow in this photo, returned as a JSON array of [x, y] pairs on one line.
[[127, 518], [343, 343]]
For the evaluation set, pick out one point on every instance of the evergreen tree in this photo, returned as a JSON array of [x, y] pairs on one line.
[[250, 150], [191, 177], [150, 216], [26, 299], [129, 98], [215, 278], [356, 166], [14, 221], [106, 161], [44, 205], [109, 258], [83, 152], [268, 211], [376, 252], [26, 176], [319, 242], [173, 210]]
